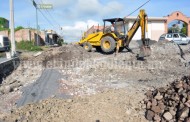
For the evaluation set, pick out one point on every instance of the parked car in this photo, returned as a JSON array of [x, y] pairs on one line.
[[4, 43], [178, 38]]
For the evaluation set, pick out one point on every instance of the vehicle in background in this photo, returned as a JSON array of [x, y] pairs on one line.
[[177, 38], [4, 43]]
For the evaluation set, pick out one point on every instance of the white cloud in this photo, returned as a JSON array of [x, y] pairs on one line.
[[81, 13], [74, 33]]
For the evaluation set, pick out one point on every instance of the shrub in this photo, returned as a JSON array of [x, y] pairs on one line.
[[27, 45]]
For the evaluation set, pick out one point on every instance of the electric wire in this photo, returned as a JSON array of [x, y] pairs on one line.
[[138, 8]]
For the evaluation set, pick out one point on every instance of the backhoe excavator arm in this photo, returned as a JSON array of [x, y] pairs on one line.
[[141, 21]]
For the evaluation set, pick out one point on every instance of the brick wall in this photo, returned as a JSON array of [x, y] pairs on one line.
[[26, 35]]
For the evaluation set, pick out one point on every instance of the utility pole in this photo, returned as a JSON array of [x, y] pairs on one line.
[[36, 6], [13, 48], [37, 26]]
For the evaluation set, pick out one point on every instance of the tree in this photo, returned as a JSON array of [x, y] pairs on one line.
[[184, 29], [174, 29], [19, 28]]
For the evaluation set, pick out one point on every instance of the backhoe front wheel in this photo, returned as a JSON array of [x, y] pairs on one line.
[[108, 44], [87, 46]]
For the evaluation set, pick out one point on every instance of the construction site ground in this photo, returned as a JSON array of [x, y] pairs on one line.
[[68, 84]]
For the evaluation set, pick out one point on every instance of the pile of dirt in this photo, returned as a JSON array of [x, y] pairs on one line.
[[169, 103], [108, 106], [62, 54]]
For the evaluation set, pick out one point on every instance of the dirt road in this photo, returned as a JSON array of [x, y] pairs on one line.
[[98, 87]]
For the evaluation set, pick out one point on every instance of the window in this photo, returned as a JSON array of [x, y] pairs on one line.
[[169, 36], [176, 36], [182, 35]]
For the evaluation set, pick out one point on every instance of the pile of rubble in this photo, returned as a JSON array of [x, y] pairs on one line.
[[169, 103]]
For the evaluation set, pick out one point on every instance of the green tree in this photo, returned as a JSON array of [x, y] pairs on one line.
[[184, 29], [19, 28]]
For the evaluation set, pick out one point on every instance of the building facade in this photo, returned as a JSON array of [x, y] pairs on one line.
[[156, 27], [44, 37]]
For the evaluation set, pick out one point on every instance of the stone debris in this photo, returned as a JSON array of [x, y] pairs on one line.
[[171, 103]]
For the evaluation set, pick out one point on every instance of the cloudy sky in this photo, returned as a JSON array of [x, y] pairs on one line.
[[74, 16]]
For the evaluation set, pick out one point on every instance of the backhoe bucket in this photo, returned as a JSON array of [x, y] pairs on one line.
[[145, 49]]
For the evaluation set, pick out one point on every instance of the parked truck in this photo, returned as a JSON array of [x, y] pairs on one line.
[[4, 43]]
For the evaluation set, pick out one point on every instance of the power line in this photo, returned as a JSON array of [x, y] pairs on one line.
[[50, 15], [45, 17], [139, 7]]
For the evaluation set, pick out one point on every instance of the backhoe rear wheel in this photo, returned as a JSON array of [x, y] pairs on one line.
[[108, 44], [87, 46]]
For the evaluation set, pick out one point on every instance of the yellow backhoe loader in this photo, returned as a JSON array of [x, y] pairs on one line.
[[111, 40]]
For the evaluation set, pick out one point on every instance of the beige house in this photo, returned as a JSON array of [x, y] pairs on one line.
[[156, 27]]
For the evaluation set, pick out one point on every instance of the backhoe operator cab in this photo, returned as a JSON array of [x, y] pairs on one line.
[[118, 31], [114, 30]]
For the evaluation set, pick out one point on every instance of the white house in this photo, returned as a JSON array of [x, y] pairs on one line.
[[156, 27]]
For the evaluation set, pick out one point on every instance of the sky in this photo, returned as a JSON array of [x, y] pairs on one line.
[[75, 16]]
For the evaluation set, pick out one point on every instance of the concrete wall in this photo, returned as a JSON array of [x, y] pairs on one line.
[[157, 29]]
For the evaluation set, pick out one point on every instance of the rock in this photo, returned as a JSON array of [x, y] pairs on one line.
[[37, 54], [148, 93], [188, 97], [180, 90], [179, 85], [185, 86], [154, 102], [148, 105], [162, 90], [183, 113], [168, 116], [69, 100], [181, 106], [157, 118], [172, 111], [28, 113], [169, 92], [187, 119], [7, 89], [149, 115], [158, 96], [187, 103], [161, 105], [184, 100], [156, 109]]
